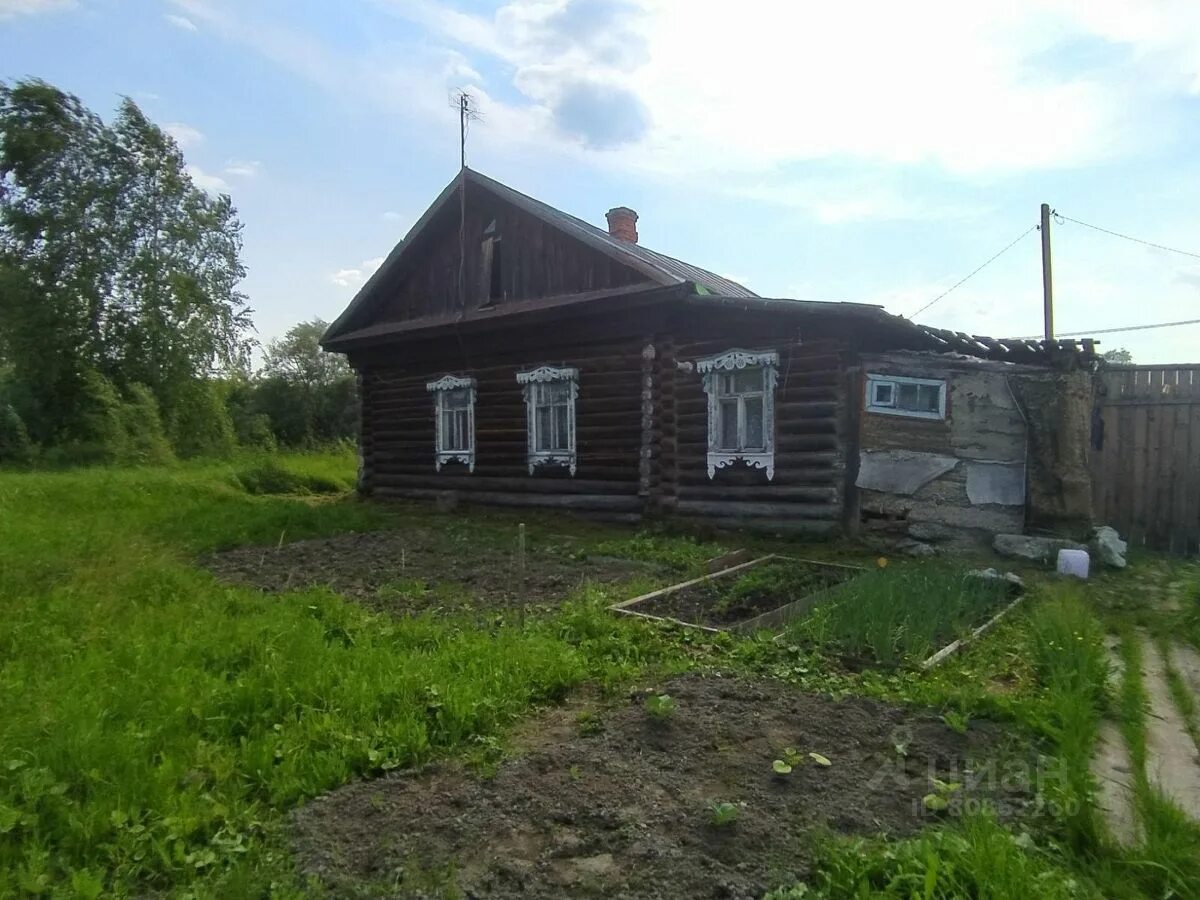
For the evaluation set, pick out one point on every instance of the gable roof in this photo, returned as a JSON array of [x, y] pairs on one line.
[[659, 269]]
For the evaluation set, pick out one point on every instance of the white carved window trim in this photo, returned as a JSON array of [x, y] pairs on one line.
[[711, 369], [883, 396], [441, 390], [530, 381]]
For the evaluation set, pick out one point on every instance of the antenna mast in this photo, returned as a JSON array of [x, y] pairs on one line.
[[466, 114]]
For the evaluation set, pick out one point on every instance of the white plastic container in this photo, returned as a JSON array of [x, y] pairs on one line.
[[1074, 562]]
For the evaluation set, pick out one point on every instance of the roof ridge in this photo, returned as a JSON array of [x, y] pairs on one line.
[[679, 270]]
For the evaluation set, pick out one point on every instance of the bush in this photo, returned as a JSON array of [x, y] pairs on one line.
[[270, 477], [200, 423], [254, 430], [15, 446], [145, 438], [98, 435]]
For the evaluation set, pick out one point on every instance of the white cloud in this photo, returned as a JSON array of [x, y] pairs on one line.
[[356, 276], [185, 135], [392, 216], [976, 90], [242, 168], [12, 8], [179, 21], [207, 181]]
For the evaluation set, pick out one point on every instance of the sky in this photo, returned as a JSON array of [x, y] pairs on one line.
[[876, 152]]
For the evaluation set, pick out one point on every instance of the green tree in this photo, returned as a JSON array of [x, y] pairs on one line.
[[112, 263], [309, 395], [1119, 357]]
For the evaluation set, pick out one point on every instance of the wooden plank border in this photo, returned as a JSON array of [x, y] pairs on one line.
[[772, 617]]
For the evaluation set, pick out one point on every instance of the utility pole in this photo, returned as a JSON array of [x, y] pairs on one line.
[[1047, 281]]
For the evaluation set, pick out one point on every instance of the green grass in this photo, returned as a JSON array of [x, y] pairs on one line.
[[1167, 861], [682, 553], [158, 724], [900, 615], [976, 858], [1066, 643]]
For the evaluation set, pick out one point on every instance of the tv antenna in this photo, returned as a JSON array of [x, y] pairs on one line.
[[468, 112]]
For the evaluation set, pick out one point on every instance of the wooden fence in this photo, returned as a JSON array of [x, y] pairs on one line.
[[1146, 471]]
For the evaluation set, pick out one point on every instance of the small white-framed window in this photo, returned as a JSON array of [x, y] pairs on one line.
[[454, 425], [899, 395], [740, 385], [550, 394]]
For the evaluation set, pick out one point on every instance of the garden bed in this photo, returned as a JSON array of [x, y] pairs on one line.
[[421, 569], [902, 615], [616, 801], [763, 593]]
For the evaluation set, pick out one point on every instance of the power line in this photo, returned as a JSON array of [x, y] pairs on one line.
[[966, 278], [1115, 330], [1129, 237]]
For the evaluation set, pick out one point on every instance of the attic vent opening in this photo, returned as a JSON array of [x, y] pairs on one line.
[[492, 268]]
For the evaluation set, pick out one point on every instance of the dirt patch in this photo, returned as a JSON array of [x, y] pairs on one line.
[[736, 598], [615, 802], [417, 569]]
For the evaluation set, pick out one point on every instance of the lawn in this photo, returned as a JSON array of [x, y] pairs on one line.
[[161, 726]]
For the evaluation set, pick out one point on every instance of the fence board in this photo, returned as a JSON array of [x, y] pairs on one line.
[[1146, 473]]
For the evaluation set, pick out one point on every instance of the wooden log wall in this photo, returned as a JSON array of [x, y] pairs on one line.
[[806, 493], [398, 431]]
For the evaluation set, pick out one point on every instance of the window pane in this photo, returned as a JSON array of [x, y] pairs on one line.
[[462, 438], [754, 423], [906, 396], [560, 427], [727, 427], [544, 427], [554, 392], [456, 399], [928, 397], [748, 380], [883, 393]]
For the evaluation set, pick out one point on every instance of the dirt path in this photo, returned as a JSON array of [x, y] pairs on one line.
[[1171, 759], [1111, 766]]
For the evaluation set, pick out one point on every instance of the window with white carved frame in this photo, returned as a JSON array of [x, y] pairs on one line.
[[454, 411], [899, 395], [740, 385], [550, 394]]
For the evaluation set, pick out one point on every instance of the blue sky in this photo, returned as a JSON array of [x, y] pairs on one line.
[[865, 151]]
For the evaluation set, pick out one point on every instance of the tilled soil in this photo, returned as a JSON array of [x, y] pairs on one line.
[[615, 803], [415, 570]]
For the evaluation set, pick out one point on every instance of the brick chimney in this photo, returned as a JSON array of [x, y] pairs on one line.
[[622, 223]]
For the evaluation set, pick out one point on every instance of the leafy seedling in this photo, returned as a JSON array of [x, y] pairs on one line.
[[660, 706], [790, 759], [588, 723], [723, 813], [793, 758], [939, 798]]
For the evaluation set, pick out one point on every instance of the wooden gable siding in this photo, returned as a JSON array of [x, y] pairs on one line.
[[538, 261], [398, 430], [812, 430]]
